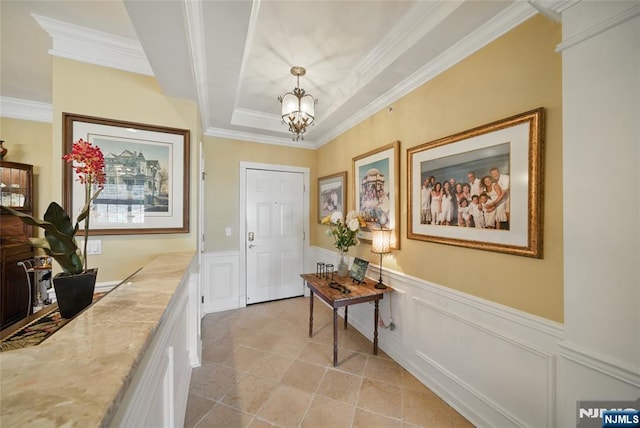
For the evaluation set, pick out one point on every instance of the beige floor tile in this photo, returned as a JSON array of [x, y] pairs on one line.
[[410, 382], [328, 413], [271, 367], [304, 376], [380, 397], [213, 380], [217, 350], [225, 417], [249, 394], [458, 421], [424, 410], [197, 408], [258, 423], [385, 370], [351, 362], [242, 358], [261, 369], [364, 419], [317, 353], [286, 406], [298, 329], [340, 386], [288, 346], [355, 341], [263, 341]]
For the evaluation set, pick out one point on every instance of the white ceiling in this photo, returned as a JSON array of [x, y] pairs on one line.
[[234, 57]]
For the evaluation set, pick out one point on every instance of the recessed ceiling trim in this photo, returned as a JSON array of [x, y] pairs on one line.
[[94, 47], [258, 138], [196, 40], [16, 108], [508, 19], [251, 31], [415, 24], [259, 120]]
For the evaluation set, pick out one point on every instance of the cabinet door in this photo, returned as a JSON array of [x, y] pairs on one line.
[[14, 287]]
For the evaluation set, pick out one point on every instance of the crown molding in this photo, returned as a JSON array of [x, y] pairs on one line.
[[258, 138], [510, 18], [600, 28], [256, 119], [94, 47], [35, 111]]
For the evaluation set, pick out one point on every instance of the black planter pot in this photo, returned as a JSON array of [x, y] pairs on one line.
[[74, 292]]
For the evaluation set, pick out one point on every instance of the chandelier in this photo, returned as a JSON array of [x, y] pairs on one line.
[[298, 107]]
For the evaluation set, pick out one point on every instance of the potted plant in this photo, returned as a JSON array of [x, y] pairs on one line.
[[344, 231], [75, 285]]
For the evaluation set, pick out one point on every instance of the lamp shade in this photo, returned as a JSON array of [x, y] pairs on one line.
[[381, 241]]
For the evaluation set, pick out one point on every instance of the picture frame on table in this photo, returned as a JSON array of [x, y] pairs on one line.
[[507, 215], [147, 176], [377, 191], [332, 195], [358, 269]]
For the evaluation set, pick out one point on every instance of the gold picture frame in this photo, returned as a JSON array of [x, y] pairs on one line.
[[492, 153], [376, 185], [332, 195]]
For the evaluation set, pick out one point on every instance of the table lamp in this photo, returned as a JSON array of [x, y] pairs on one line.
[[381, 244]]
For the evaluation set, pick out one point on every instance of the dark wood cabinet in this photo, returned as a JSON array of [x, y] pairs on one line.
[[16, 191]]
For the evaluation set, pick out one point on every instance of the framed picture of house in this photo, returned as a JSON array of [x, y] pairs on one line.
[[147, 176], [377, 191], [332, 195], [481, 188]]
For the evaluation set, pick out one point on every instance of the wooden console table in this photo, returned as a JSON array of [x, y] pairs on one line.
[[358, 293]]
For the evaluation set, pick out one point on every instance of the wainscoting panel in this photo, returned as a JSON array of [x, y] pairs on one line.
[[221, 281], [494, 364]]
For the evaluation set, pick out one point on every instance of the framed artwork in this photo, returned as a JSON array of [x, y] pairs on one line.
[[147, 176], [332, 194], [481, 188], [358, 269], [377, 191]]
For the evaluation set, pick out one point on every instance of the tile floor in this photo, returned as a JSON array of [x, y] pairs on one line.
[[260, 369]]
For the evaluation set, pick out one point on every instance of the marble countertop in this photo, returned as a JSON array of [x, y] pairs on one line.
[[79, 375]]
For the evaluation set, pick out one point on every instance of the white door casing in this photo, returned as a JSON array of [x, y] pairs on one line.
[[274, 209]]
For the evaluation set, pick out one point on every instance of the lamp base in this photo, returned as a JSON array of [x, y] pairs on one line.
[[380, 286]]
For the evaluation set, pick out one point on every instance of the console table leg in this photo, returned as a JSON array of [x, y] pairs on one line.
[[346, 315], [375, 329], [335, 337], [311, 313]]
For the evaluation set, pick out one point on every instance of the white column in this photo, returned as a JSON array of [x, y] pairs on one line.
[[600, 357]]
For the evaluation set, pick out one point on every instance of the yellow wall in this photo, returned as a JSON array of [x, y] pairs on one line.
[[91, 90], [516, 73], [30, 142], [222, 163]]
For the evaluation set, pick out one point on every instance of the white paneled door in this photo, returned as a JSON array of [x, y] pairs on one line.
[[274, 235]]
